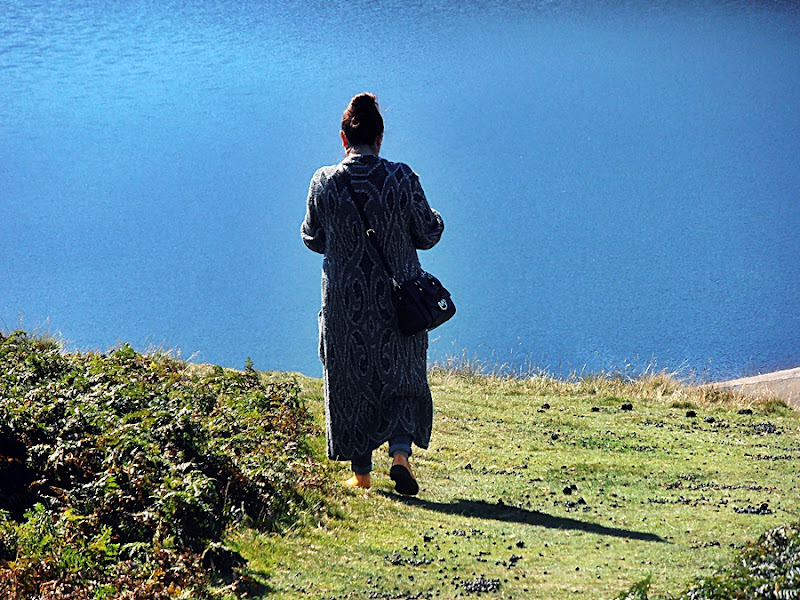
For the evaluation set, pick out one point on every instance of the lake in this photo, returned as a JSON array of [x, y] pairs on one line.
[[619, 181]]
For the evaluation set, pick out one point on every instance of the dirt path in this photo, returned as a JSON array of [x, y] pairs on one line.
[[781, 384]]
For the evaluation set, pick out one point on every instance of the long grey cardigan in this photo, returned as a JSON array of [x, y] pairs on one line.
[[376, 381]]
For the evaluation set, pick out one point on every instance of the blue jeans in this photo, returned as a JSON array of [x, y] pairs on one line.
[[401, 442]]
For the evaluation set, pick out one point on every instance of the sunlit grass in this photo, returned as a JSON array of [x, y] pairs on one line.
[[594, 486], [536, 487]]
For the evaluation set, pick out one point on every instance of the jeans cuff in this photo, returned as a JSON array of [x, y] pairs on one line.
[[361, 466], [400, 443]]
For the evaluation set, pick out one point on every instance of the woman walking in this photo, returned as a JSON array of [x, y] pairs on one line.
[[376, 385]]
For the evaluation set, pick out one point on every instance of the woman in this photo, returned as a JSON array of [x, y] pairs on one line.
[[376, 384]]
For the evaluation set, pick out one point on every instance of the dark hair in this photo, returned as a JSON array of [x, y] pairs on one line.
[[362, 122]]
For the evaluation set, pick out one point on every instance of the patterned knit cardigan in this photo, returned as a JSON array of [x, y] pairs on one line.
[[375, 377]]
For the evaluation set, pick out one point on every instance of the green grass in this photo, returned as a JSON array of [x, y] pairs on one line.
[[133, 475], [539, 488]]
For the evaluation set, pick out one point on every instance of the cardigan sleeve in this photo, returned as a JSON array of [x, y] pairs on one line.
[[311, 230], [425, 224]]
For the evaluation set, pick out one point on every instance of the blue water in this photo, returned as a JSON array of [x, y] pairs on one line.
[[619, 183]]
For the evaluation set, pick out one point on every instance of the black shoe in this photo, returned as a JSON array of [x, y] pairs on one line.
[[404, 482]]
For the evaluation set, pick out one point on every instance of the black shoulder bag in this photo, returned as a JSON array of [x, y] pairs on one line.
[[422, 303]]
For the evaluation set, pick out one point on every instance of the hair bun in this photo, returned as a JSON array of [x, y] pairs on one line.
[[362, 122], [365, 101]]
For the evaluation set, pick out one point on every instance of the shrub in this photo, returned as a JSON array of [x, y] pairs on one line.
[[768, 569], [122, 472]]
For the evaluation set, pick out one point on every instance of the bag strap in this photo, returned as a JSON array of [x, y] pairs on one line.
[[369, 231]]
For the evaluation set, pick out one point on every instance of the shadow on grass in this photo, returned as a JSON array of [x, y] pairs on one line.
[[503, 512]]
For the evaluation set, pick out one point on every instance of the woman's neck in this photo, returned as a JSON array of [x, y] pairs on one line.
[[361, 150]]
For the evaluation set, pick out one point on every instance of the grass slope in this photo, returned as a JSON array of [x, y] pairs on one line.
[[125, 475], [537, 488]]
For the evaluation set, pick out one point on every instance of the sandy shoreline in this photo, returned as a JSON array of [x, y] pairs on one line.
[[781, 384]]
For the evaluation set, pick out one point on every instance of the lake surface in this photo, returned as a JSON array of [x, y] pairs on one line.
[[620, 183]]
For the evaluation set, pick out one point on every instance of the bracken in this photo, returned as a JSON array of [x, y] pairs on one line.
[[120, 471]]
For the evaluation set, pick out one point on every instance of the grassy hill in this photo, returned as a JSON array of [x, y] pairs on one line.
[[538, 488], [139, 476]]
